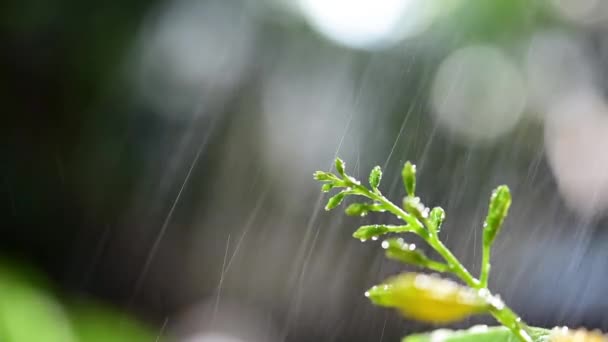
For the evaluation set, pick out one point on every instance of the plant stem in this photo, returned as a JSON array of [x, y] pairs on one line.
[[453, 262], [432, 239], [485, 266], [390, 206], [509, 319], [502, 314]]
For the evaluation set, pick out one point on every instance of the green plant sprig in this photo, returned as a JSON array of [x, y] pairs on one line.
[[405, 292]]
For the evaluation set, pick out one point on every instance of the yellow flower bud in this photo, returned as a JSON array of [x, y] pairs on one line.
[[580, 335], [428, 298]]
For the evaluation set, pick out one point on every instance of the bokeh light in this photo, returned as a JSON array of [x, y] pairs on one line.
[[369, 23], [225, 321], [582, 12], [575, 140], [556, 65], [191, 52], [478, 94]]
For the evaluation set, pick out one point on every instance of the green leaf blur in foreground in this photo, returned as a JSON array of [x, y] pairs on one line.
[[30, 312], [477, 334], [94, 322], [27, 311]]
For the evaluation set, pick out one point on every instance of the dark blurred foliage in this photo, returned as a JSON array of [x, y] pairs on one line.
[[71, 155]]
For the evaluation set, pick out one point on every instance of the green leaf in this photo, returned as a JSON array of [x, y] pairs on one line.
[[375, 230], [356, 209], [327, 187], [428, 298], [436, 218], [397, 249], [362, 209], [477, 334], [375, 176], [335, 201], [499, 207], [340, 167], [409, 178], [323, 176]]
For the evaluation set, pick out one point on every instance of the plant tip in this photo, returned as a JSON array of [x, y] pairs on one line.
[[409, 178], [375, 176], [340, 166]]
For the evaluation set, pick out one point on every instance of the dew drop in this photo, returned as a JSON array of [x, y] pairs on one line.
[[483, 292], [479, 328], [425, 213]]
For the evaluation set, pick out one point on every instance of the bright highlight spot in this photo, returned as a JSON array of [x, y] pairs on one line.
[[229, 321], [368, 23], [478, 94], [191, 50]]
